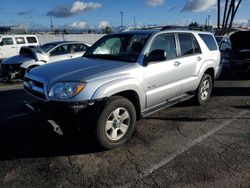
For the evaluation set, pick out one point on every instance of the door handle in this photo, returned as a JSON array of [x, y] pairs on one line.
[[199, 58], [70, 56], [177, 63], [13, 47]]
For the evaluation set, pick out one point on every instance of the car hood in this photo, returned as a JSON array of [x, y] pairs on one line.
[[240, 40], [79, 69], [18, 59]]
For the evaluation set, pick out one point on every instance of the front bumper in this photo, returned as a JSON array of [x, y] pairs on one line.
[[61, 116], [13, 71]]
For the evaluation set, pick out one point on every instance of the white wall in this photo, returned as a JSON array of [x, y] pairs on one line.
[[88, 38]]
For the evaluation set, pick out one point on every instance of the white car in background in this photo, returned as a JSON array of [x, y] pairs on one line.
[[10, 45], [16, 66]]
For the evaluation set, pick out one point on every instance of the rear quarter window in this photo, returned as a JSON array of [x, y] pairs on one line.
[[209, 41], [31, 40]]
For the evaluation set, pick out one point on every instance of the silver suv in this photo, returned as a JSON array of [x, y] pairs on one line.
[[126, 76]]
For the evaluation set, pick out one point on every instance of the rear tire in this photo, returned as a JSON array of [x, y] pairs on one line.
[[204, 90], [116, 122]]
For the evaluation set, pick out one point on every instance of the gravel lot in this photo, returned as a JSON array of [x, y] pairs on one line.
[[182, 146]]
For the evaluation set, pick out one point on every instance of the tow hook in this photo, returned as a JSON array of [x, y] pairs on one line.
[[56, 127]]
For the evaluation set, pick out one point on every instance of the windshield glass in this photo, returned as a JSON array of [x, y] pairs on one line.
[[122, 47], [47, 47]]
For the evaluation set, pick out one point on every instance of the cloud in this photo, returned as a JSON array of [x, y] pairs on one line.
[[103, 24], [79, 25], [199, 5], [24, 12], [76, 8], [154, 3]]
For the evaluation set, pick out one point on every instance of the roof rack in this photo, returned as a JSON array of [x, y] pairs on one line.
[[171, 27]]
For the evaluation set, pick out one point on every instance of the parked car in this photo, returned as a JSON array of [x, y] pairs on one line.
[[10, 45], [239, 56], [224, 44], [124, 77], [16, 66]]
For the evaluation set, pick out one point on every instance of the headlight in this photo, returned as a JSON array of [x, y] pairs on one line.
[[66, 90]]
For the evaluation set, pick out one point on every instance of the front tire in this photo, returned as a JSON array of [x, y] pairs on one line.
[[116, 122], [204, 90]]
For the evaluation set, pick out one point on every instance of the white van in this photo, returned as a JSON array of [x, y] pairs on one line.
[[10, 45]]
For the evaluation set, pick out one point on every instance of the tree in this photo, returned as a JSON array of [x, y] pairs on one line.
[[193, 25], [107, 30]]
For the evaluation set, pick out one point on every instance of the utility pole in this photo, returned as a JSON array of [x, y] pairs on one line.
[[218, 16], [51, 24], [208, 20], [121, 20], [135, 23]]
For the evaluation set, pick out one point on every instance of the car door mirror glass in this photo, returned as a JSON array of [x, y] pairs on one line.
[[156, 56]]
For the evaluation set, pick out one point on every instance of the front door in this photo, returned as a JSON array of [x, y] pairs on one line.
[[7, 48], [162, 80]]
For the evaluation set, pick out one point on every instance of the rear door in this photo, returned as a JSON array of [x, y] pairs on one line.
[[190, 59], [78, 49], [161, 77], [60, 53], [20, 41], [8, 48]]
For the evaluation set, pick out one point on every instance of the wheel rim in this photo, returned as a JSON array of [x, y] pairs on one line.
[[205, 89], [117, 124]]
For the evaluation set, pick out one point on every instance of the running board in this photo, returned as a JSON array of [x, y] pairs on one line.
[[166, 104]]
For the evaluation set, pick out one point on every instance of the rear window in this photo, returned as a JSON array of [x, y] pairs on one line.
[[209, 41], [31, 40], [20, 40]]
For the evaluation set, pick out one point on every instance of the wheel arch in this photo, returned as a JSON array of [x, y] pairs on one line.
[[134, 98]]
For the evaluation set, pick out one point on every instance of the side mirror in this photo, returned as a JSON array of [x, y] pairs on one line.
[[225, 47], [155, 56]]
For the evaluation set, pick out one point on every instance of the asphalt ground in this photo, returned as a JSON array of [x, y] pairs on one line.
[[182, 146]]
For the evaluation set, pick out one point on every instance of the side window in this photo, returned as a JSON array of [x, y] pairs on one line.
[[186, 44], [196, 46], [79, 47], [165, 42], [61, 50], [7, 41], [209, 41], [20, 40], [31, 40]]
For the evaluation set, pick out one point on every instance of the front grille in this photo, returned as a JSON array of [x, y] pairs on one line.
[[35, 88]]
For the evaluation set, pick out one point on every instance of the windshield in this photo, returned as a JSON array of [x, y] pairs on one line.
[[47, 47], [122, 47]]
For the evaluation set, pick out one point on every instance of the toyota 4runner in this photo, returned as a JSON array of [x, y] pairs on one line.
[[126, 76]]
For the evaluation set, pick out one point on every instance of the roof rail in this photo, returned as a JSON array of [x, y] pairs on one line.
[[170, 27]]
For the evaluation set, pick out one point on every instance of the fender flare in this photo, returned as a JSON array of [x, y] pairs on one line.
[[120, 85]]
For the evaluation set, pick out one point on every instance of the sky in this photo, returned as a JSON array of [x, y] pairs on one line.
[[84, 14]]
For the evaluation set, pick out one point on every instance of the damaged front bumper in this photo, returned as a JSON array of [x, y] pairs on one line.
[[61, 116], [12, 71]]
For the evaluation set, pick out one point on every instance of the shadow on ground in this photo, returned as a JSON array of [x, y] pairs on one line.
[[31, 136]]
